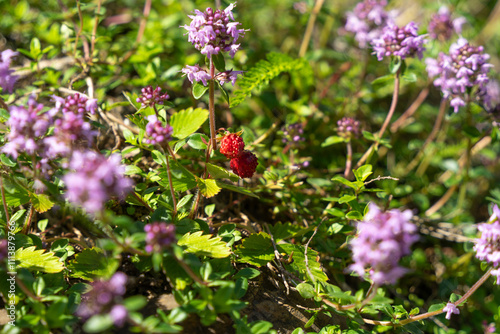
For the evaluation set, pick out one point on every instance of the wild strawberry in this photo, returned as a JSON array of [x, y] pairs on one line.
[[244, 165], [232, 145]]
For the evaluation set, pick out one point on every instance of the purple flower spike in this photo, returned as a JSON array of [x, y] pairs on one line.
[[196, 73], [158, 134], [150, 97], [462, 74], [7, 80], [226, 76], [367, 21], [213, 32], [403, 42], [382, 239], [442, 27], [449, 309], [95, 179], [104, 298], [159, 236], [487, 247]]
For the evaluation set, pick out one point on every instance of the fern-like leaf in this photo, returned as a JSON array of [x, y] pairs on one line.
[[265, 70]]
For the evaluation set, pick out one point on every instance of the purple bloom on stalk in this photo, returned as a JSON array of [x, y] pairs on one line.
[[487, 247], [150, 97], [293, 133], [225, 76], [403, 42], [213, 32], [159, 236], [462, 74], [26, 128], [348, 128], [442, 27], [158, 134], [104, 298], [367, 21], [95, 179], [382, 239], [77, 103], [196, 73], [449, 309], [7, 80]]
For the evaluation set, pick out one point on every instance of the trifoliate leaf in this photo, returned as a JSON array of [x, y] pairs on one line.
[[256, 250], [37, 259], [92, 263], [208, 187], [187, 121], [206, 245]]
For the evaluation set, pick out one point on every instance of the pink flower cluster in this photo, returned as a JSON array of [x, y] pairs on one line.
[[159, 236], [382, 239], [150, 97], [402, 42], [157, 132], [7, 79]]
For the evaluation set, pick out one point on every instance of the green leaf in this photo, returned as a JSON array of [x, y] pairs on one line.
[[247, 273], [187, 121], [306, 290], [363, 172], [7, 161], [98, 323], [369, 136], [217, 172], [395, 64], [346, 199], [237, 189], [282, 231], [182, 179], [204, 245], [332, 140], [33, 259], [219, 62], [256, 250], [135, 303], [225, 95], [299, 264], [436, 307], [354, 215], [265, 70], [383, 79], [199, 90], [41, 203], [344, 181], [92, 263], [410, 77], [208, 187]]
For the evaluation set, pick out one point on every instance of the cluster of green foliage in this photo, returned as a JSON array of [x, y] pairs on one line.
[[292, 222]]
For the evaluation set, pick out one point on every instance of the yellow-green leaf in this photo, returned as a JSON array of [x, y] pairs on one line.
[[208, 187], [36, 259], [187, 121], [205, 245], [91, 264], [41, 202]]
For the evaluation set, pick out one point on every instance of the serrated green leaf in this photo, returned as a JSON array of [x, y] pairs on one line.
[[237, 189], [187, 121], [299, 263], [41, 203], [37, 259], [204, 245], [199, 90], [92, 263], [208, 187], [282, 231], [256, 250], [217, 172]]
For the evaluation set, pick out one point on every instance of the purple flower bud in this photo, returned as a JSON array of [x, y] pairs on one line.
[[214, 31], [403, 42], [158, 134], [225, 76], [293, 133], [348, 128], [150, 97], [77, 103], [7, 80], [442, 27], [382, 239], [159, 236], [196, 73], [449, 309]]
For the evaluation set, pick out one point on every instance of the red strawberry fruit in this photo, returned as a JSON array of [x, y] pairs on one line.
[[244, 165], [231, 145]]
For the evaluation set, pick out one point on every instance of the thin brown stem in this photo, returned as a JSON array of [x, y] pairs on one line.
[[394, 103], [411, 110], [442, 201], [311, 276], [142, 202], [310, 27], [348, 163], [94, 30], [431, 137], [211, 104]]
